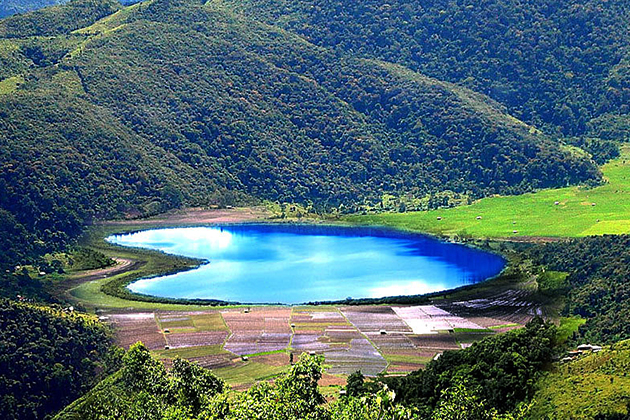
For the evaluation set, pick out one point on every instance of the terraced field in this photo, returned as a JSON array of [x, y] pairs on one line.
[[246, 345]]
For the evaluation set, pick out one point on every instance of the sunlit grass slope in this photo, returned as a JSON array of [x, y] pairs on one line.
[[579, 211], [596, 383]]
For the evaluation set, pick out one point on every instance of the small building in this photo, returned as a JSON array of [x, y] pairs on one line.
[[383, 332], [244, 358], [311, 353], [166, 331], [585, 347], [167, 347], [292, 325], [478, 217], [439, 217]]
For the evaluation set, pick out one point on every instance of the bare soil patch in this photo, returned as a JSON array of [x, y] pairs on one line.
[[134, 327], [258, 330], [197, 216]]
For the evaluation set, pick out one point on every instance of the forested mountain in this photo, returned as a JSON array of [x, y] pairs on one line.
[[11, 7], [173, 102], [559, 64]]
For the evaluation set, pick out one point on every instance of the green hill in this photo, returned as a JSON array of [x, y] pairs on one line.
[[562, 64], [594, 386], [12, 7], [173, 102]]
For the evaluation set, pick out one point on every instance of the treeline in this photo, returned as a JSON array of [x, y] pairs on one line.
[[561, 64], [486, 381], [48, 358], [597, 287]]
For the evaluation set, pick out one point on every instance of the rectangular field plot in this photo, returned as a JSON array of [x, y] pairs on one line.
[[435, 341], [191, 329], [243, 374], [190, 339], [509, 307], [259, 330], [375, 318], [131, 328], [429, 319], [311, 319], [391, 342], [361, 355]]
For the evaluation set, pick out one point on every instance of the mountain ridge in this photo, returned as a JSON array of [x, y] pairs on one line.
[[200, 105]]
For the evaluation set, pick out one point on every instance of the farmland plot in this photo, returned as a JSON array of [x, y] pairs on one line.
[[510, 306], [190, 329], [429, 319], [134, 327], [360, 356], [259, 330]]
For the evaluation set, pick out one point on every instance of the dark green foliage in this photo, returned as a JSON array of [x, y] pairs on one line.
[[88, 259], [47, 358], [355, 384], [144, 389], [69, 162], [501, 369], [598, 286], [560, 63], [20, 283], [57, 20], [601, 150]]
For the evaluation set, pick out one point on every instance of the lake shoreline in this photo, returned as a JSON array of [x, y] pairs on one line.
[[112, 292]]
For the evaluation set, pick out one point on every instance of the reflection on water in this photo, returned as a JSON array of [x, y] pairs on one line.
[[300, 263]]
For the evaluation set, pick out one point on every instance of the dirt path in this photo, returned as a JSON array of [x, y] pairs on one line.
[[196, 216], [123, 265]]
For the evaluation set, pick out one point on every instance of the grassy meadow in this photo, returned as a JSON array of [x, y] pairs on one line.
[[580, 211], [596, 383]]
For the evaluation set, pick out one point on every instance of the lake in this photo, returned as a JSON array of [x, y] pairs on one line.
[[276, 263]]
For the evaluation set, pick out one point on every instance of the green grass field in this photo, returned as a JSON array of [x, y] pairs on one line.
[[248, 373], [580, 211], [190, 352]]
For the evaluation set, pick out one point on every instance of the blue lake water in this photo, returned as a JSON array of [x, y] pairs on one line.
[[272, 263]]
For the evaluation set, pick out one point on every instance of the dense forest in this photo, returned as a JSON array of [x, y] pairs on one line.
[[48, 358], [558, 64], [597, 287], [172, 103]]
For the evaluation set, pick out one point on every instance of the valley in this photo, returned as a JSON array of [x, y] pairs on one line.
[[495, 127]]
